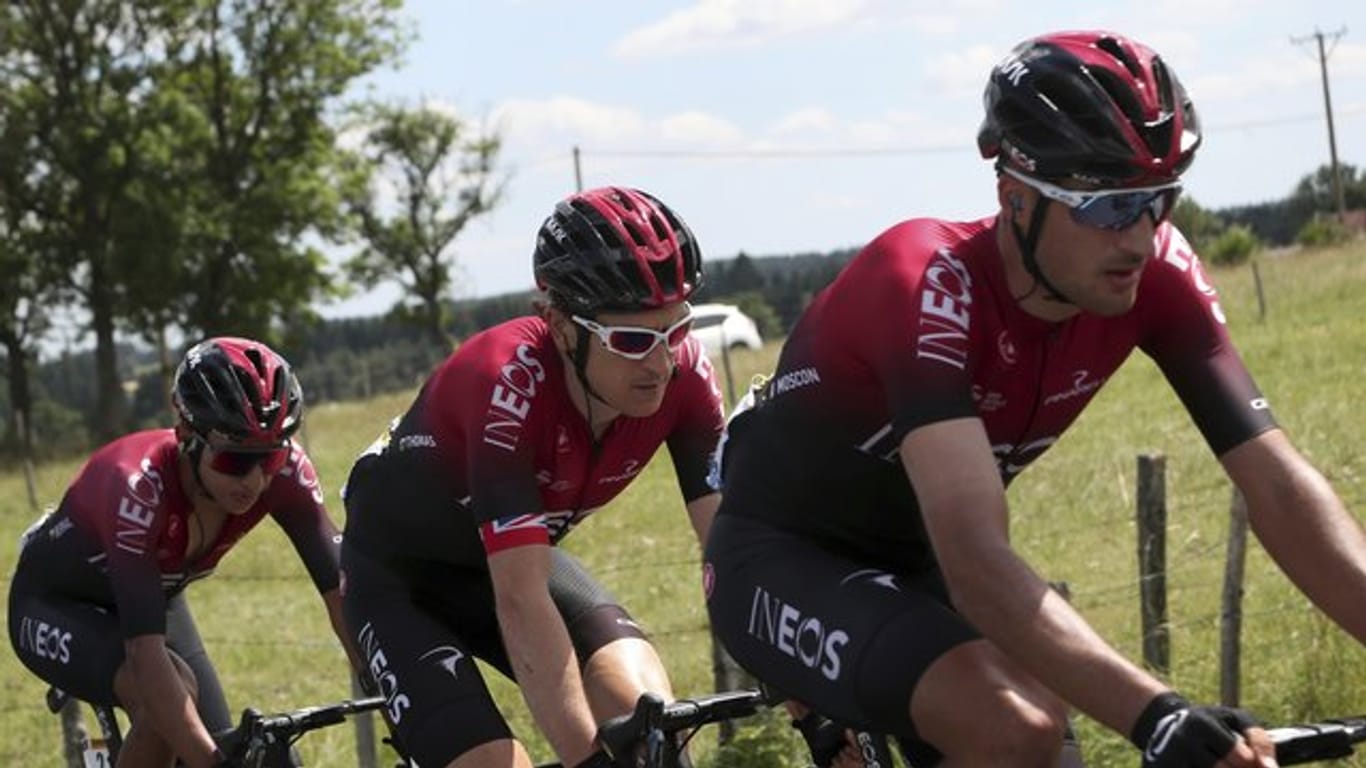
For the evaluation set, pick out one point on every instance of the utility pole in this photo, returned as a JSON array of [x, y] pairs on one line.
[[1328, 109]]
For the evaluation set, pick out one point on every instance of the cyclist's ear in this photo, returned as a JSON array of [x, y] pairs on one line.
[[562, 329]]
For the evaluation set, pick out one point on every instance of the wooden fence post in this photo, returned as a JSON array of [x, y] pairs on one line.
[[1261, 297], [365, 731], [1231, 614], [1152, 560], [26, 448], [726, 676]]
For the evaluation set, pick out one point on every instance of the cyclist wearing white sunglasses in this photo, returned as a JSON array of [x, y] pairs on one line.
[[861, 561], [519, 435]]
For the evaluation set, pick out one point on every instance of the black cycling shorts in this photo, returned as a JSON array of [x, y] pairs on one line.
[[78, 646], [420, 624], [849, 640]]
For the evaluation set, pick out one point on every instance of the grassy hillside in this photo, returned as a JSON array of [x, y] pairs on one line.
[[1072, 516]]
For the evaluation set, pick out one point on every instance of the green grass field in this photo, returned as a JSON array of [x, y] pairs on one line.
[[1072, 517]]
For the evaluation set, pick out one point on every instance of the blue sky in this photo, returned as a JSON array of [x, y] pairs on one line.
[[779, 126]]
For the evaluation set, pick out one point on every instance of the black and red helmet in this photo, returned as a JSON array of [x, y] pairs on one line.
[[1095, 106], [237, 394], [616, 249]]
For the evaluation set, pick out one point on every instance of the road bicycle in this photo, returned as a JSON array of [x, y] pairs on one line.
[[652, 736], [258, 741], [263, 741]]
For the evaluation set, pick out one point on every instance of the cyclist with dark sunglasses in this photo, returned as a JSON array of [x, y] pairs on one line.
[[97, 605], [860, 561], [529, 427]]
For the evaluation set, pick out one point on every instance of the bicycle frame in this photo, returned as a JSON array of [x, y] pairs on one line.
[[103, 751]]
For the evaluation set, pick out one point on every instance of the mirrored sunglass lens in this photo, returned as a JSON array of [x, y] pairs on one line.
[[632, 342], [232, 463], [1117, 211], [238, 463]]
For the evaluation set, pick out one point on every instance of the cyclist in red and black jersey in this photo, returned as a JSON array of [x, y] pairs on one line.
[[861, 562], [530, 426], [96, 606]]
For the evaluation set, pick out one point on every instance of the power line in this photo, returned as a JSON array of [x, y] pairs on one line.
[[854, 152]]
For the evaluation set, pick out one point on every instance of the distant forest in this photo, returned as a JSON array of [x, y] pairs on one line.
[[361, 357]]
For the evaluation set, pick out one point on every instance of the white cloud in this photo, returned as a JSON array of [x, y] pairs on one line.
[[736, 23], [964, 71], [699, 128], [812, 120], [564, 118]]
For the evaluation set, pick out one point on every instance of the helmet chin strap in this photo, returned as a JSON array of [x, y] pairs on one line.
[[193, 448], [1027, 243]]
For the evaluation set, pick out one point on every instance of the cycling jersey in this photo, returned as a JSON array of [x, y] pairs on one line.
[[118, 538], [921, 327], [493, 453]]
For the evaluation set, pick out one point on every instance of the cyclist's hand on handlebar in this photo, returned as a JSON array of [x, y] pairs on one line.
[[233, 743], [1173, 733]]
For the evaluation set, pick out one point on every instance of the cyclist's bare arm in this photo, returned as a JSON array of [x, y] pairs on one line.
[[958, 485], [332, 599], [164, 700], [539, 648], [1303, 525], [701, 511]]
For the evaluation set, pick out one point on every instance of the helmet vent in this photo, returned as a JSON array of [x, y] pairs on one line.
[[1115, 49]]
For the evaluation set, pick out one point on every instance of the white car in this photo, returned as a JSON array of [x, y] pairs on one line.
[[720, 326]]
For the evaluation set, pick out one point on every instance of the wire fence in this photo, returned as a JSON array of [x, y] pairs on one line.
[[1192, 576]]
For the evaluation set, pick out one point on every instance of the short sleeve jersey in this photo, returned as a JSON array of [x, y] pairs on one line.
[[493, 453], [119, 535], [920, 327]]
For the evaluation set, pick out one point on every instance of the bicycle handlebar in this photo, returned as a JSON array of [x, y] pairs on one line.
[[256, 735], [1311, 742], [653, 722]]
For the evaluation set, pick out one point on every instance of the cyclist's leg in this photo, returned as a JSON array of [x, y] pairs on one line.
[[403, 618], [853, 641], [143, 745], [617, 660], [182, 636]]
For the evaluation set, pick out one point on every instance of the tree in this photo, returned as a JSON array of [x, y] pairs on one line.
[[441, 178], [743, 275], [1200, 226], [77, 72], [1316, 189], [25, 289], [189, 143], [262, 166]]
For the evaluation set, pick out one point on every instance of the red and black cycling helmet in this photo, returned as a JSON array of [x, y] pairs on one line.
[[615, 249], [1095, 106], [238, 394]]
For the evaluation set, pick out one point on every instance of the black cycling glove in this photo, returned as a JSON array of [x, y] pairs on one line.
[[824, 738], [599, 759], [1173, 733]]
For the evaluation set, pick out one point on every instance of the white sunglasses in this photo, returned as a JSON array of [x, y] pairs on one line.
[[1108, 208], [633, 342]]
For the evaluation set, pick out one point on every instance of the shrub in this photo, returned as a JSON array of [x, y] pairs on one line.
[[1323, 231], [1234, 246], [765, 741]]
